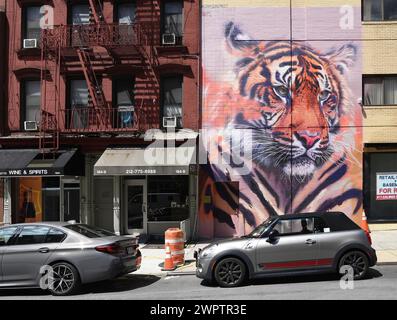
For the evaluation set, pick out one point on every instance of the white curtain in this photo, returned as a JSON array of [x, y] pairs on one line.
[[391, 90], [373, 91]]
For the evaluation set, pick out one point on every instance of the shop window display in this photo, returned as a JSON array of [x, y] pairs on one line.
[[168, 198]]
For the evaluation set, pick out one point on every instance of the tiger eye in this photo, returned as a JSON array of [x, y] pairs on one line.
[[282, 91], [324, 95]]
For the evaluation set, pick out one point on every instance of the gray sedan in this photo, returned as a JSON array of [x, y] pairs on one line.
[[289, 244], [60, 256]]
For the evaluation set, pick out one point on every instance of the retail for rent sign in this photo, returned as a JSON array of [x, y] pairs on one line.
[[386, 186]]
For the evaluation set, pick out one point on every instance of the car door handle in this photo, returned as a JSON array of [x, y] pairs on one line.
[[310, 241], [44, 250]]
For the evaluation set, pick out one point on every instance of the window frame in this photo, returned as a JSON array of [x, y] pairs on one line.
[[291, 234], [23, 100], [163, 19], [381, 77], [20, 228], [162, 97], [12, 238], [24, 24], [382, 12], [116, 10]]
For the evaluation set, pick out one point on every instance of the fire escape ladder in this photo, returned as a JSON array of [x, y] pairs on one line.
[[96, 11], [94, 87], [48, 126]]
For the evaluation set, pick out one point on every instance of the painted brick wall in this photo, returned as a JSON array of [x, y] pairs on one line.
[[144, 92]]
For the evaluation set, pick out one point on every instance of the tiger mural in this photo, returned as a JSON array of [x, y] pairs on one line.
[[304, 145]]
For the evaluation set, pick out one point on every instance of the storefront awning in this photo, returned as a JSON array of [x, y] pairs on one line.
[[149, 161], [28, 162]]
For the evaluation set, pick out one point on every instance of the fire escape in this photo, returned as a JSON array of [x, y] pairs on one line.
[[74, 46]]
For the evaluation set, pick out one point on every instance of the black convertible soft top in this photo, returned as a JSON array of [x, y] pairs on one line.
[[337, 221]]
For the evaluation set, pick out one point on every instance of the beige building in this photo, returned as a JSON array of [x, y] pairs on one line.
[[379, 27]]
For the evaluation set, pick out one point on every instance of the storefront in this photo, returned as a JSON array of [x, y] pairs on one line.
[[153, 189], [380, 182], [41, 189]]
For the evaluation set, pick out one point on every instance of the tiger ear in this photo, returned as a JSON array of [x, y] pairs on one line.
[[343, 57], [239, 43]]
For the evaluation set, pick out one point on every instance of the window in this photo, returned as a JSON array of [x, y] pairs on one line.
[[173, 19], [51, 202], [294, 226], [78, 112], [124, 100], [379, 10], [80, 14], [55, 236], [320, 226], [380, 90], [172, 99], [30, 100], [6, 234], [126, 13], [168, 198], [79, 18], [31, 27], [32, 235]]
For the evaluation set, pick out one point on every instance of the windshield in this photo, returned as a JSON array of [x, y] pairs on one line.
[[89, 231], [259, 230]]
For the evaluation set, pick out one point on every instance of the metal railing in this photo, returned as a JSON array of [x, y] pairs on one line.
[[80, 118], [88, 35]]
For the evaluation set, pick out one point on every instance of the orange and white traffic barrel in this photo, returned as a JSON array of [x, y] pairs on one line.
[[174, 237], [168, 263]]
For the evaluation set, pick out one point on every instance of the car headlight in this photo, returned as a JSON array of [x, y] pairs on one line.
[[208, 251]]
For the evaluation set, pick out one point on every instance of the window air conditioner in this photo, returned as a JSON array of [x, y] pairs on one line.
[[30, 125], [29, 43], [169, 38], [169, 122]]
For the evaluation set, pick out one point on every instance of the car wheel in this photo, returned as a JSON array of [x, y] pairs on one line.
[[66, 279], [358, 261], [230, 272]]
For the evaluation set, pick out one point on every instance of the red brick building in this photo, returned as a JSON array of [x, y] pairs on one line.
[[85, 81]]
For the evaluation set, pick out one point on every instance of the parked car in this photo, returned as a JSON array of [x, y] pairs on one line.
[[75, 253], [289, 244]]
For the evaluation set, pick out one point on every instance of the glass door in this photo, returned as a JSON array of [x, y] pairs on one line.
[[136, 206], [71, 200]]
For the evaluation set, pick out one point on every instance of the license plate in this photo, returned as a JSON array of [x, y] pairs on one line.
[[130, 250]]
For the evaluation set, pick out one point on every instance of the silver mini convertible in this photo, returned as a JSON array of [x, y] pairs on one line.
[[60, 256], [289, 244]]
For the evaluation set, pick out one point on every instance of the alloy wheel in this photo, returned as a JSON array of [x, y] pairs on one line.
[[357, 261], [230, 272], [63, 279]]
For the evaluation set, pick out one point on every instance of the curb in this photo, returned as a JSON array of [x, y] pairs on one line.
[[387, 263], [182, 273]]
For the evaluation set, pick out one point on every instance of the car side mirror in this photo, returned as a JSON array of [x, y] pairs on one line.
[[273, 235], [2, 243]]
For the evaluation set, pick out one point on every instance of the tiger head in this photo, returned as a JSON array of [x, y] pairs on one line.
[[294, 100]]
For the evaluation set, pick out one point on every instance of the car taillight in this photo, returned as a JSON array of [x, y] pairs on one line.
[[113, 248], [368, 237]]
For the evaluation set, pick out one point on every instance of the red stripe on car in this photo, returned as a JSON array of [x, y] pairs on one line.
[[296, 264]]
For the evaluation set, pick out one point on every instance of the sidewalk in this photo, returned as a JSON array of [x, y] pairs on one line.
[[153, 260], [384, 241]]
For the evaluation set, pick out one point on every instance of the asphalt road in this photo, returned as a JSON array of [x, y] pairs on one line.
[[382, 284]]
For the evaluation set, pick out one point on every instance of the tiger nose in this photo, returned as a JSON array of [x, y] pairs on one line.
[[308, 138]]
